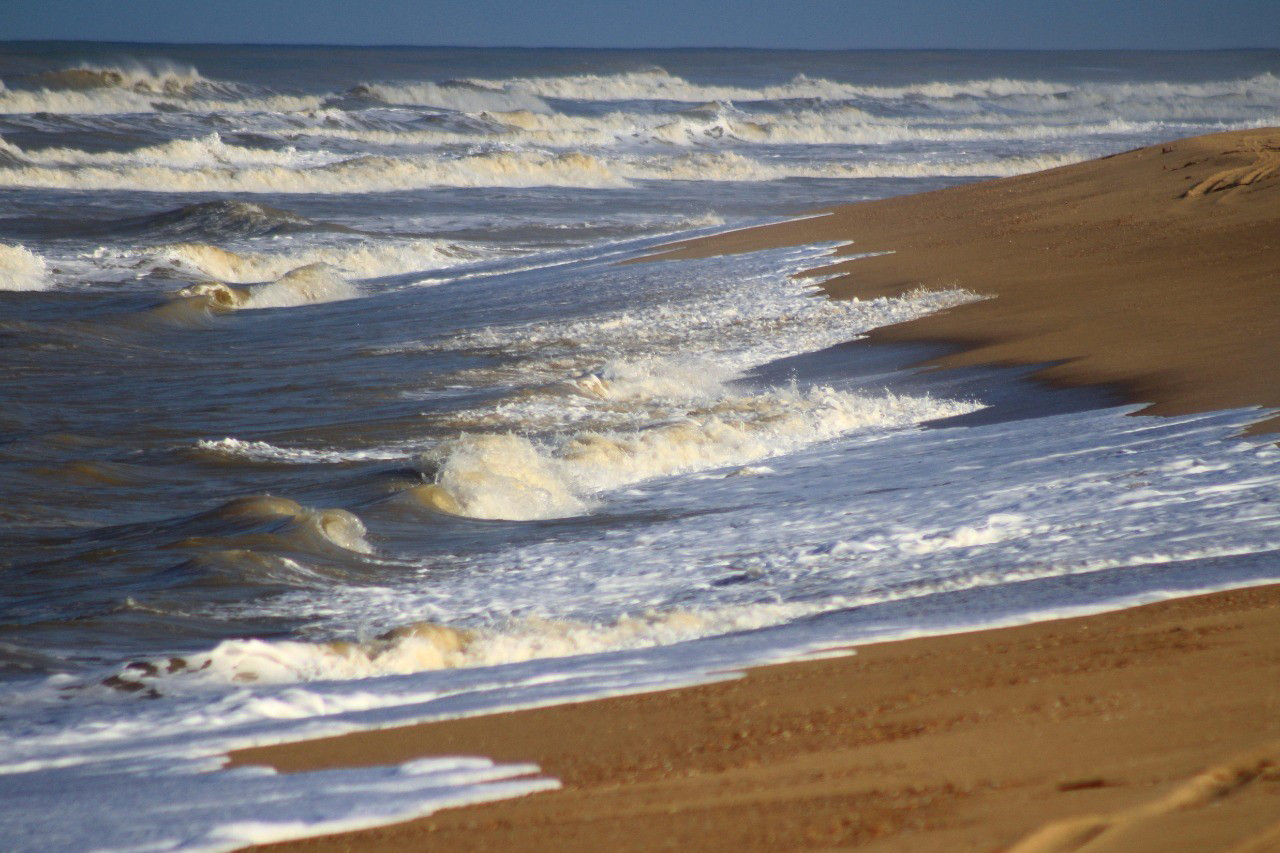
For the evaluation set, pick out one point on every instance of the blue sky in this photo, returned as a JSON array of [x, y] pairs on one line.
[[1060, 24]]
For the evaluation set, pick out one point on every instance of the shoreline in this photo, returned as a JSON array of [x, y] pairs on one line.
[[961, 741], [1154, 272]]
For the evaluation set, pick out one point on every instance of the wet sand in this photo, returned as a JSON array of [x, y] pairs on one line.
[[1157, 728]]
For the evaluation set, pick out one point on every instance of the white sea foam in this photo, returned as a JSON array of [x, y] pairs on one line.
[[682, 348], [308, 285], [500, 168], [357, 259], [509, 477], [426, 647], [203, 152], [725, 126], [459, 97], [262, 451], [682, 412], [22, 269], [112, 101], [302, 286], [658, 84]]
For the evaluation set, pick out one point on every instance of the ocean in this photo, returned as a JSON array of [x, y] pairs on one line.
[[326, 403]]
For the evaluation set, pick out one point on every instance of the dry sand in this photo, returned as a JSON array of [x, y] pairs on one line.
[[1157, 728]]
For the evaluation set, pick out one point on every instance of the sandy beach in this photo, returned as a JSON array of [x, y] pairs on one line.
[[1139, 727], [1154, 272]]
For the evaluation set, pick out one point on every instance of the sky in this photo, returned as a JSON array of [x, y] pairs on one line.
[[813, 24]]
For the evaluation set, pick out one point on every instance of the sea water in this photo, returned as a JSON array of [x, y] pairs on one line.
[[327, 403]]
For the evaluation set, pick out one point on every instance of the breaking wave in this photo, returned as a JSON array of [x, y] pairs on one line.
[[460, 97], [117, 101], [495, 169], [514, 478], [298, 524], [22, 269], [139, 87], [196, 304], [265, 452], [365, 259], [426, 646], [155, 77], [204, 151], [657, 84]]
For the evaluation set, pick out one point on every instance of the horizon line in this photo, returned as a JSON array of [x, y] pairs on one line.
[[407, 46]]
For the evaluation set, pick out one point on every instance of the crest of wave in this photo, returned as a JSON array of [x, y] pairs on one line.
[[495, 169], [196, 304], [360, 260], [22, 269], [724, 125], [425, 646], [152, 76], [461, 97], [107, 99], [203, 151], [658, 84], [719, 123], [507, 476]]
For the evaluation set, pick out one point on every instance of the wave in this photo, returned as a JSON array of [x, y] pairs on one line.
[[514, 478], [206, 151], [197, 304], [225, 218], [619, 400], [501, 168], [155, 77], [460, 97], [365, 259], [139, 87], [630, 368], [428, 646], [723, 125], [726, 125], [22, 269], [332, 526], [659, 85], [120, 101], [265, 452]]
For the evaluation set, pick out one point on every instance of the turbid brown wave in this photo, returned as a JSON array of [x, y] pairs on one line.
[[1155, 728]]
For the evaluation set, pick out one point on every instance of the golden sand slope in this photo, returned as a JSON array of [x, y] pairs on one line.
[[1157, 270]]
